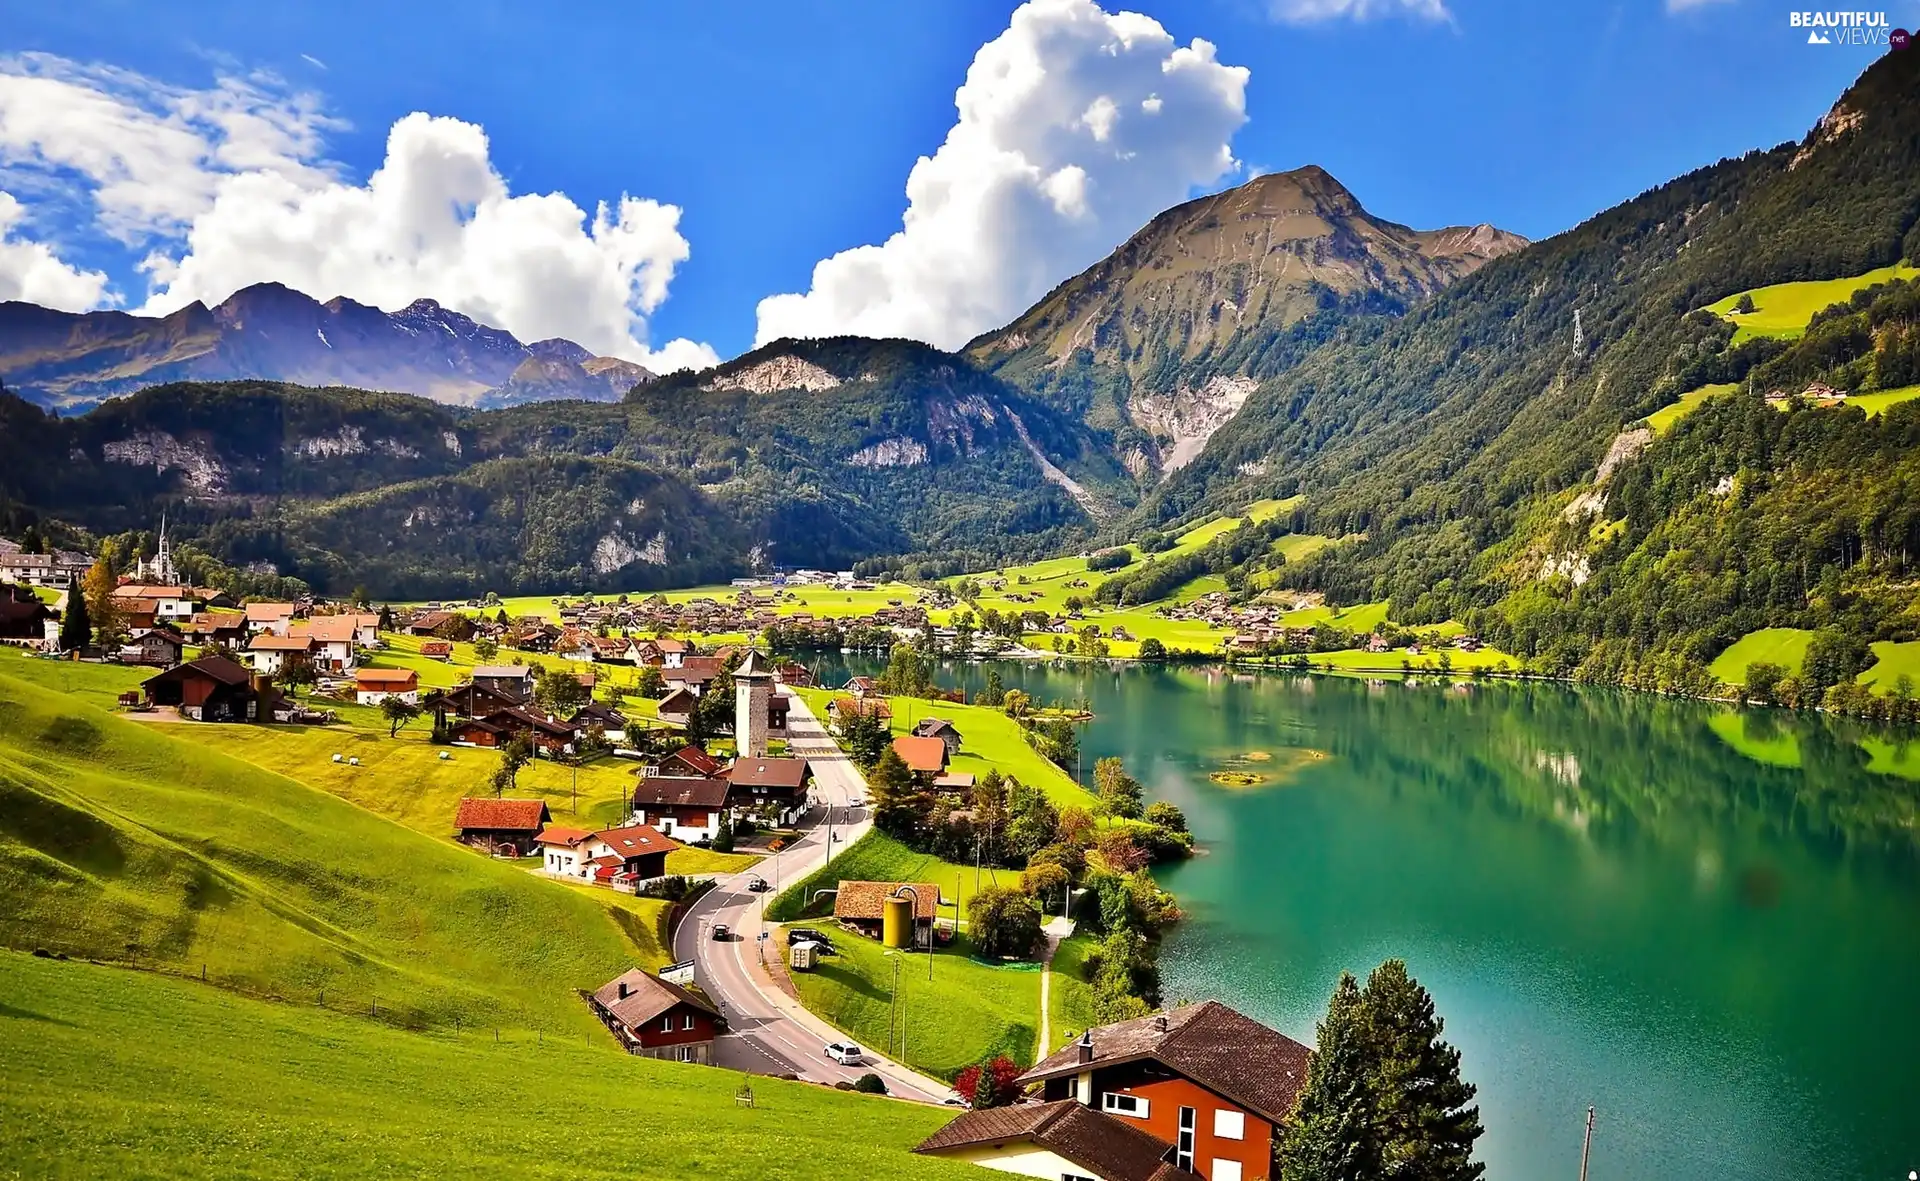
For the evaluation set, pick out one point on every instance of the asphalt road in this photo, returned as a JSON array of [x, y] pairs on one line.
[[768, 1031]]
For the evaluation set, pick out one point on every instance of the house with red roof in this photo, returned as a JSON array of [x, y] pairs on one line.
[[504, 828], [617, 857], [371, 686], [655, 1019], [925, 757]]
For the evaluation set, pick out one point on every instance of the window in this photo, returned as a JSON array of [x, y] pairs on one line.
[[1183, 1147], [666, 1023], [686, 1022], [1230, 1125], [1115, 1103], [1224, 1170], [1076, 1177]]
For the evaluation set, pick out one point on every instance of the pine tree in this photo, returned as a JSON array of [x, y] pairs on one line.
[[1330, 1136], [894, 799], [723, 832], [76, 630], [994, 693], [1427, 1123]]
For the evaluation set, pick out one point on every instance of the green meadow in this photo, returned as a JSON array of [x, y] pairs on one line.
[[112, 1073], [1784, 309], [1784, 646], [1662, 420]]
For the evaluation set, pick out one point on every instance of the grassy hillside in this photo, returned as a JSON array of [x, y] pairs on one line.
[[1783, 309], [1662, 420], [877, 857], [129, 842], [181, 1081], [1784, 646]]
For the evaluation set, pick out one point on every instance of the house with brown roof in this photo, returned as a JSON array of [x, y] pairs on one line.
[[271, 653], [840, 709], [214, 689], [335, 640], [676, 708], [1207, 1080], [685, 807], [1055, 1140], [512, 681], [694, 674], [688, 760], [23, 616], [941, 728], [779, 784], [504, 828], [925, 757], [861, 905], [158, 645], [269, 617], [617, 857], [655, 1019]]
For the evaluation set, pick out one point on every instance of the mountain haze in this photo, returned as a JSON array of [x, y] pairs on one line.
[[70, 361]]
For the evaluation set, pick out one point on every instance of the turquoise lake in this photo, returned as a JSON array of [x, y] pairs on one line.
[[1703, 922]]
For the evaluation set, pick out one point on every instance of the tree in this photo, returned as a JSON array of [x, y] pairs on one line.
[[558, 690], [865, 737], [989, 1084], [1152, 649], [1119, 791], [651, 680], [386, 618], [1424, 1108], [32, 541], [896, 800], [1383, 1096], [297, 672], [398, 711], [76, 631], [1002, 922], [870, 1084], [485, 649], [1744, 305], [1043, 880], [1167, 816], [723, 832], [98, 586], [515, 754], [1763, 681], [994, 694], [1330, 1135]]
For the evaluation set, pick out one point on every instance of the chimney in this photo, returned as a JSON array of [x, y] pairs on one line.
[[1160, 1023], [623, 990], [1085, 1046]]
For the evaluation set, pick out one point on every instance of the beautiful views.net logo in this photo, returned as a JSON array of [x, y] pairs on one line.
[[1848, 28]]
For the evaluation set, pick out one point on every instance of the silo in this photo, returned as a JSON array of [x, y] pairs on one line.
[[896, 923]]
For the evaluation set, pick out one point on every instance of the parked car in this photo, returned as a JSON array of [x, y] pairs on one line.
[[809, 935], [845, 1053], [722, 932]]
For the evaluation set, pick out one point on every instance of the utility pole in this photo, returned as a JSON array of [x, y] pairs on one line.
[[1587, 1147]]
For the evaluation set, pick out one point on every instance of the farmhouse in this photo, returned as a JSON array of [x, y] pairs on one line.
[[441, 650], [1060, 1139], [1204, 1079], [676, 708], [271, 653], [52, 570], [688, 760], [23, 618], [511, 681], [505, 828], [840, 709], [939, 728], [214, 689], [269, 617], [685, 807], [657, 1020], [468, 701], [334, 638], [371, 686], [862, 905], [768, 782], [925, 757], [693, 674], [159, 645]]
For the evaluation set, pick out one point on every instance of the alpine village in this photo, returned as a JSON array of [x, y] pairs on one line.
[[1056, 755]]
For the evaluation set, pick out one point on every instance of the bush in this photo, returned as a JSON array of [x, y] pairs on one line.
[[1110, 559], [1168, 816], [1152, 649], [870, 1084], [989, 1084]]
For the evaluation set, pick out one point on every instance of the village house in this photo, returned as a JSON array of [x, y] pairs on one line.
[[371, 686], [676, 708], [1202, 1078], [694, 674], [512, 681], [271, 653], [688, 760], [166, 603], [159, 645], [214, 689], [23, 616], [797, 675], [862, 687], [862, 905], [655, 1019], [334, 638], [939, 728], [561, 851], [841, 709], [925, 757], [504, 828], [684, 807], [612, 723], [467, 701], [441, 650], [216, 626], [546, 734], [619, 857], [269, 617], [1061, 1140], [58, 569], [955, 783], [778, 785]]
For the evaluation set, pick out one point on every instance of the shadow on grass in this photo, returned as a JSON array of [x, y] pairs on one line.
[[848, 979], [8, 1011]]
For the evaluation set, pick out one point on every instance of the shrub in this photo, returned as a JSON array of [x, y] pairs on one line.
[[989, 1084], [1002, 922], [870, 1084], [1111, 559]]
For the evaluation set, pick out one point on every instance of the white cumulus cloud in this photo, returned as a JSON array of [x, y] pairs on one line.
[[1303, 12], [227, 186], [1075, 127], [31, 271]]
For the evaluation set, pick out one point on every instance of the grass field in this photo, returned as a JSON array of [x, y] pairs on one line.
[[1662, 420], [1875, 404], [132, 842], [1891, 661], [967, 1012], [1783, 309], [1752, 734], [1784, 646], [111, 1073], [1069, 996], [877, 857]]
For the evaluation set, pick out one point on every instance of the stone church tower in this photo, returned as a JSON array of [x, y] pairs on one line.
[[752, 690]]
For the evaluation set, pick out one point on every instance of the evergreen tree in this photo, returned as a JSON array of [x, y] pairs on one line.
[[895, 800], [723, 832], [994, 693], [76, 631], [1330, 1136], [1425, 1115], [515, 754], [1119, 791]]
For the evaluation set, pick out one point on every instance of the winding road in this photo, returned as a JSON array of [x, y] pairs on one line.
[[768, 1031]]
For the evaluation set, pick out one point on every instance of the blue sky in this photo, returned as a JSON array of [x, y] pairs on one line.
[[784, 133]]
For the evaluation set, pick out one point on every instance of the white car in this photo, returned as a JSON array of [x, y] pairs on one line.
[[845, 1053], [856, 802]]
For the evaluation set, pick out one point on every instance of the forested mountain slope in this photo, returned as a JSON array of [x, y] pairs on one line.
[[812, 453], [1450, 442]]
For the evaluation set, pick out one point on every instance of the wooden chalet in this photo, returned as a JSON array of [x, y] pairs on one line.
[[504, 828]]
